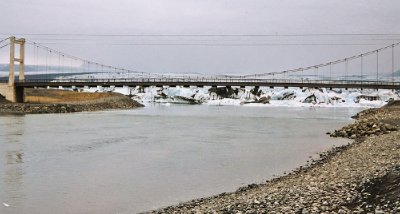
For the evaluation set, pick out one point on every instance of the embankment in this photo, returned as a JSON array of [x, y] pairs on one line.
[[39, 101], [362, 177]]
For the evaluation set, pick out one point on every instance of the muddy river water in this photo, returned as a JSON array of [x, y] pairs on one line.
[[136, 160]]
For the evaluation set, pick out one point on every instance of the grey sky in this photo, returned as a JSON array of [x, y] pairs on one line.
[[203, 17]]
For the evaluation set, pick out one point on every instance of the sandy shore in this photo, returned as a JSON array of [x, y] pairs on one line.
[[41, 101], [362, 177]]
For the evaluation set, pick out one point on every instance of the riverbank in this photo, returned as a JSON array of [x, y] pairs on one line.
[[43, 101], [360, 177]]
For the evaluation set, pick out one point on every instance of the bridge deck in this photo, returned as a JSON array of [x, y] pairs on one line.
[[210, 82]]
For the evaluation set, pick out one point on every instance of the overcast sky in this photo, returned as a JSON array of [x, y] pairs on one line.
[[204, 17]]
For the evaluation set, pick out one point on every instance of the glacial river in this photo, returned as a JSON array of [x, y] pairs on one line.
[[135, 160]]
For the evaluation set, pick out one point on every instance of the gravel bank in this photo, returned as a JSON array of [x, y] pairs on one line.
[[111, 101], [362, 177]]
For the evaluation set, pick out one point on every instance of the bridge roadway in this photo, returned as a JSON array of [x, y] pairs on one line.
[[201, 82]]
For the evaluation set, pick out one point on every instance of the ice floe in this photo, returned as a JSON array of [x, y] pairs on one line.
[[256, 96]]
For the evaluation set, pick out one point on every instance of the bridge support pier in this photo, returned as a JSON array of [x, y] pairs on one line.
[[12, 93]]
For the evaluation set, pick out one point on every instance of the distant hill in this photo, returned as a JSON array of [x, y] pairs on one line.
[[37, 72], [5, 67]]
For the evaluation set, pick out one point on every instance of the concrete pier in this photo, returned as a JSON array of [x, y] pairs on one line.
[[9, 90], [12, 93]]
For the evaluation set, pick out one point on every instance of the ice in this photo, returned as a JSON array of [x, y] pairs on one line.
[[247, 96], [224, 102], [124, 90], [289, 97]]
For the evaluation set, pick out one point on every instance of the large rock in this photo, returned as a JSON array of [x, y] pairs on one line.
[[364, 127]]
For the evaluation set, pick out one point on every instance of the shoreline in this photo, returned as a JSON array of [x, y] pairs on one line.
[[44, 101], [362, 176]]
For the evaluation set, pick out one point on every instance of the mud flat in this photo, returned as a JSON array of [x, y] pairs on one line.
[[42, 101], [361, 177]]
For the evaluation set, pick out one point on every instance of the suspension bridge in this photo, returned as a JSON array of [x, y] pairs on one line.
[[375, 69]]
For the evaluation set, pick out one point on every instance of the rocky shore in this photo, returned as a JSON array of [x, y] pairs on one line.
[[361, 177], [368, 123], [109, 101]]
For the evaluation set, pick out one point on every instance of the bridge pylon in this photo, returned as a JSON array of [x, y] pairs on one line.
[[21, 60], [9, 90]]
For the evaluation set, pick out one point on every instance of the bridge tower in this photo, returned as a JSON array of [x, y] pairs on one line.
[[10, 91], [21, 59]]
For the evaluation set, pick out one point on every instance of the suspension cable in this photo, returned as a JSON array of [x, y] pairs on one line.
[[4, 39], [284, 72], [81, 59], [325, 64], [393, 63], [377, 65], [362, 65], [5, 45]]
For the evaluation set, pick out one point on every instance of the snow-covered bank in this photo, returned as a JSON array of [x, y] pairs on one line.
[[253, 96]]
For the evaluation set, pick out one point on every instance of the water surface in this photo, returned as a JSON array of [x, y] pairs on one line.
[[136, 160]]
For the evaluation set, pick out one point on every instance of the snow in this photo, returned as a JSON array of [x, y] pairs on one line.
[[289, 97]]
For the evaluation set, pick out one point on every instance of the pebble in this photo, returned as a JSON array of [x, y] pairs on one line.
[[353, 178], [118, 102]]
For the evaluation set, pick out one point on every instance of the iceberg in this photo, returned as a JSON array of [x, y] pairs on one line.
[[256, 96]]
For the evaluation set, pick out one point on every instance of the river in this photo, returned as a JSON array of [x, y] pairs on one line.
[[135, 160]]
